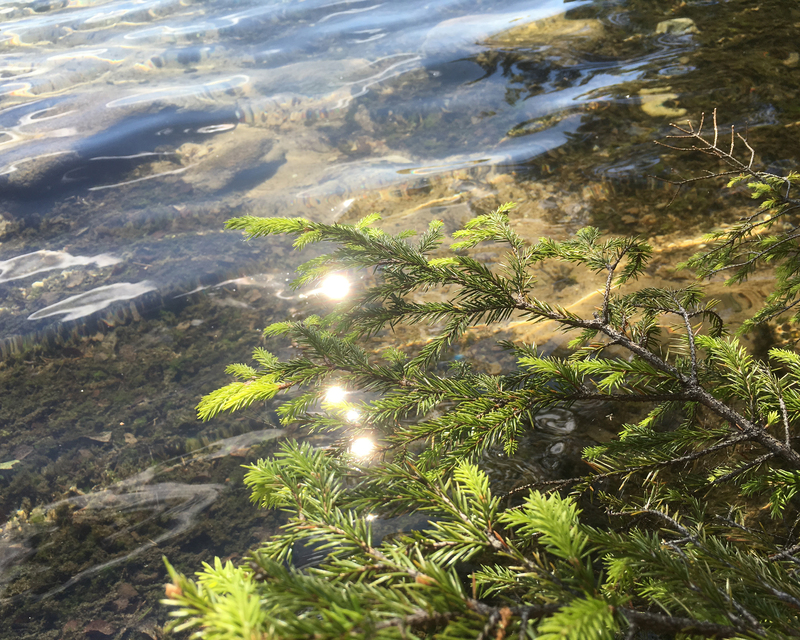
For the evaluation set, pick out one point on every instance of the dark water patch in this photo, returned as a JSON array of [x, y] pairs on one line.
[[110, 156], [101, 530], [247, 179]]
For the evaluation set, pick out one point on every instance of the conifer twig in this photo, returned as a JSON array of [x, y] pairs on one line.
[[674, 624], [692, 389], [536, 561], [596, 477]]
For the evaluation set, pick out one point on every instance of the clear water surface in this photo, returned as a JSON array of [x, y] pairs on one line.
[[131, 130]]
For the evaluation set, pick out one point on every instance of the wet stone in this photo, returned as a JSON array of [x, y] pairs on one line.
[[99, 629], [145, 578], [71, 626], [677, 26], [128, 591], [120, 605]]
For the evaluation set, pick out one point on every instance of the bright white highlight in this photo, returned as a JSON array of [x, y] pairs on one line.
[[335, 287], [352, 415], [335, 395], [362, 447]]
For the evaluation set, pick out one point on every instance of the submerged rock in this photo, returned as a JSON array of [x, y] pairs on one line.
[[550, 30], [99, 629], [677, 26], [653, 103]]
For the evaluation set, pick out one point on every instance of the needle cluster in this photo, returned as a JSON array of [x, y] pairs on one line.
[[697, 534]]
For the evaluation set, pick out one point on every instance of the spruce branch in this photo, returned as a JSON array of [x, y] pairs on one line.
[[659, 623], [741, 469], [748, 244], [698, 542], [535, 567], [632, 469]]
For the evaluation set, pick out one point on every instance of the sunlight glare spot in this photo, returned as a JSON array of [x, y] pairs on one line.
[[335, 395], [362, 447], [335, 286]]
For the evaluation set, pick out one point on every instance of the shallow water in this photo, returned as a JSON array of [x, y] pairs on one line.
[[129, 131]]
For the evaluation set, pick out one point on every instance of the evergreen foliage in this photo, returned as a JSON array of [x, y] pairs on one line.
[[699, 532], [752, 242]]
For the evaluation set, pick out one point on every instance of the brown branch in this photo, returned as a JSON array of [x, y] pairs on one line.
[[642, 620], [675, 624], [787, 553], [692, 390], [420, 620], [557, 484], [699, 394], [740, 470], [698, 542], [711, 148]]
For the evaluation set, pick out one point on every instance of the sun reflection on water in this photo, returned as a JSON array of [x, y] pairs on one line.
[[362, 447], [335, 287], [335, 395]]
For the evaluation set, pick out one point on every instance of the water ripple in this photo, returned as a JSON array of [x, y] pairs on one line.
[[85, 304], [39, 261]]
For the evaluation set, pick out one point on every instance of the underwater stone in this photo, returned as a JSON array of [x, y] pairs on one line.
[[677, 26], [4, 224], [99, 629], [652, 102], [547, 30]]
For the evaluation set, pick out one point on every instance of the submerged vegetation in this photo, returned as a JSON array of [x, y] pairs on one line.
[[685, 525]]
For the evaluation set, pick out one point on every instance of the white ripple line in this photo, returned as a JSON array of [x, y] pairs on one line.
[[341, 13], [158, 175]]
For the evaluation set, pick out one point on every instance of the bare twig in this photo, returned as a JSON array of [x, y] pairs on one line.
[[711, 147]]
